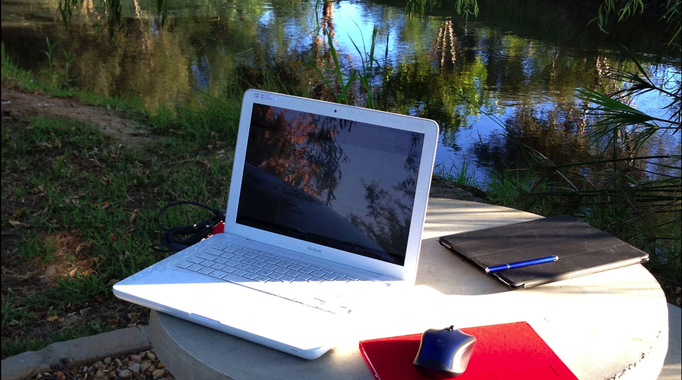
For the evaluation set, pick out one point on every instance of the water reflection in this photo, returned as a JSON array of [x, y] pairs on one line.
[[440, 67], [556, 133]]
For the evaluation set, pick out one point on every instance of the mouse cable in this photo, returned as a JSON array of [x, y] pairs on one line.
[[195, 232]]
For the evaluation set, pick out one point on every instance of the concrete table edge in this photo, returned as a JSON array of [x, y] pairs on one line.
[[80, 351], [118, 342]]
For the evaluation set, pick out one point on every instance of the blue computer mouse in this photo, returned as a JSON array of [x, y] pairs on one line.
[[445, 353]]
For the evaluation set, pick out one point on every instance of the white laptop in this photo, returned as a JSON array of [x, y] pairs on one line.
[[325, 214]]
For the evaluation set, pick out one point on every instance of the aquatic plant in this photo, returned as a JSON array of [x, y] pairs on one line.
[[341, 84], [48, 52], [67, 64]]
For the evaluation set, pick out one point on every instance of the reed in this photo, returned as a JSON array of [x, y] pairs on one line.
[[342, 84], [48, 52]]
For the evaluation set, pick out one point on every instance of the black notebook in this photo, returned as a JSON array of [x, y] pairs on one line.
[[581, 250]]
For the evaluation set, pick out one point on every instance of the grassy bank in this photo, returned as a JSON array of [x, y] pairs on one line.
[[79, 207]]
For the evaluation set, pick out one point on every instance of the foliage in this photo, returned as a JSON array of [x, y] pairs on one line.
[[48, 52], [343, 85], [626, 9], [340, 90], [461, 175], [669, 11], [465, 7], [631, 194], [624, 191], [54, 77], [22, 78]]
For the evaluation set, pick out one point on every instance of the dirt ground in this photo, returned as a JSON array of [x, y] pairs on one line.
[[18, 105], [21, 277]]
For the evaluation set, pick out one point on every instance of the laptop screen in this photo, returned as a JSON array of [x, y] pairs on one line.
[[339, 183]]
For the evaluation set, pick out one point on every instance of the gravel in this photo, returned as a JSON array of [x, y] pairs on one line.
[[137, 366]]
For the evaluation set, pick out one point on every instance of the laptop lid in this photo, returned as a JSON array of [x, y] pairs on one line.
[[337, 182]]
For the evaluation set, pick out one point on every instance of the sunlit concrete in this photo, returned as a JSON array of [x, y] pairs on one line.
[[612, 324]]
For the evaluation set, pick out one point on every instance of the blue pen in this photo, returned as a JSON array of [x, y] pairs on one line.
[[521, 264]]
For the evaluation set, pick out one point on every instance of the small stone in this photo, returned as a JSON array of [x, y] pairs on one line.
[[151, 368], [158, 373], [107, 360], [112, 375], [100, 374], [678, 291], [150, 355], [160, 365], [67, 362], [97, 364], [118, 362], [50, 271], [125, 362], [135, 367], [135, 358], [124, 373], [69, 319], [147, 373], [145, 365]]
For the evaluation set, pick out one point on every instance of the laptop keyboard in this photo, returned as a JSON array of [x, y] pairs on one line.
[[287, 278]]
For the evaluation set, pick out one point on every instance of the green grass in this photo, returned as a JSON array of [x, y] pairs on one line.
[[32, 247], [74, 331], [78, 200], [65, 177], [461, 175]]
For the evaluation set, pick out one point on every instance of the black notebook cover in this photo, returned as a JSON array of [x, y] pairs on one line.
[[581, 248]]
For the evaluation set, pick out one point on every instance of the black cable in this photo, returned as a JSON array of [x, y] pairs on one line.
[[197, 232]]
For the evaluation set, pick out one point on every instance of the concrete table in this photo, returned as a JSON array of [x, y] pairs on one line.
[[609, 325]]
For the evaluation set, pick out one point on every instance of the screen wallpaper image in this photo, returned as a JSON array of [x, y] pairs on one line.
[[334, 182]]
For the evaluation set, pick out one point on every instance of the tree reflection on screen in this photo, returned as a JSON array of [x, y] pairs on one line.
[[389, 213], [299, 148], [359, 181]]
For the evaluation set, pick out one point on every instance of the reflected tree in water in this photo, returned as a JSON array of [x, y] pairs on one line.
[[446, 48], [558, 134], [112, 10]]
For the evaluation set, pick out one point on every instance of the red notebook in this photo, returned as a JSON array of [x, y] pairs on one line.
[[507, 351]]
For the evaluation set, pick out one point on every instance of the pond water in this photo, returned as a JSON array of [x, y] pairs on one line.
[[515, 65]]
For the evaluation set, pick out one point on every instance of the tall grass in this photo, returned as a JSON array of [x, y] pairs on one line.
[[340, 84], [632, 195], [461, 175]]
